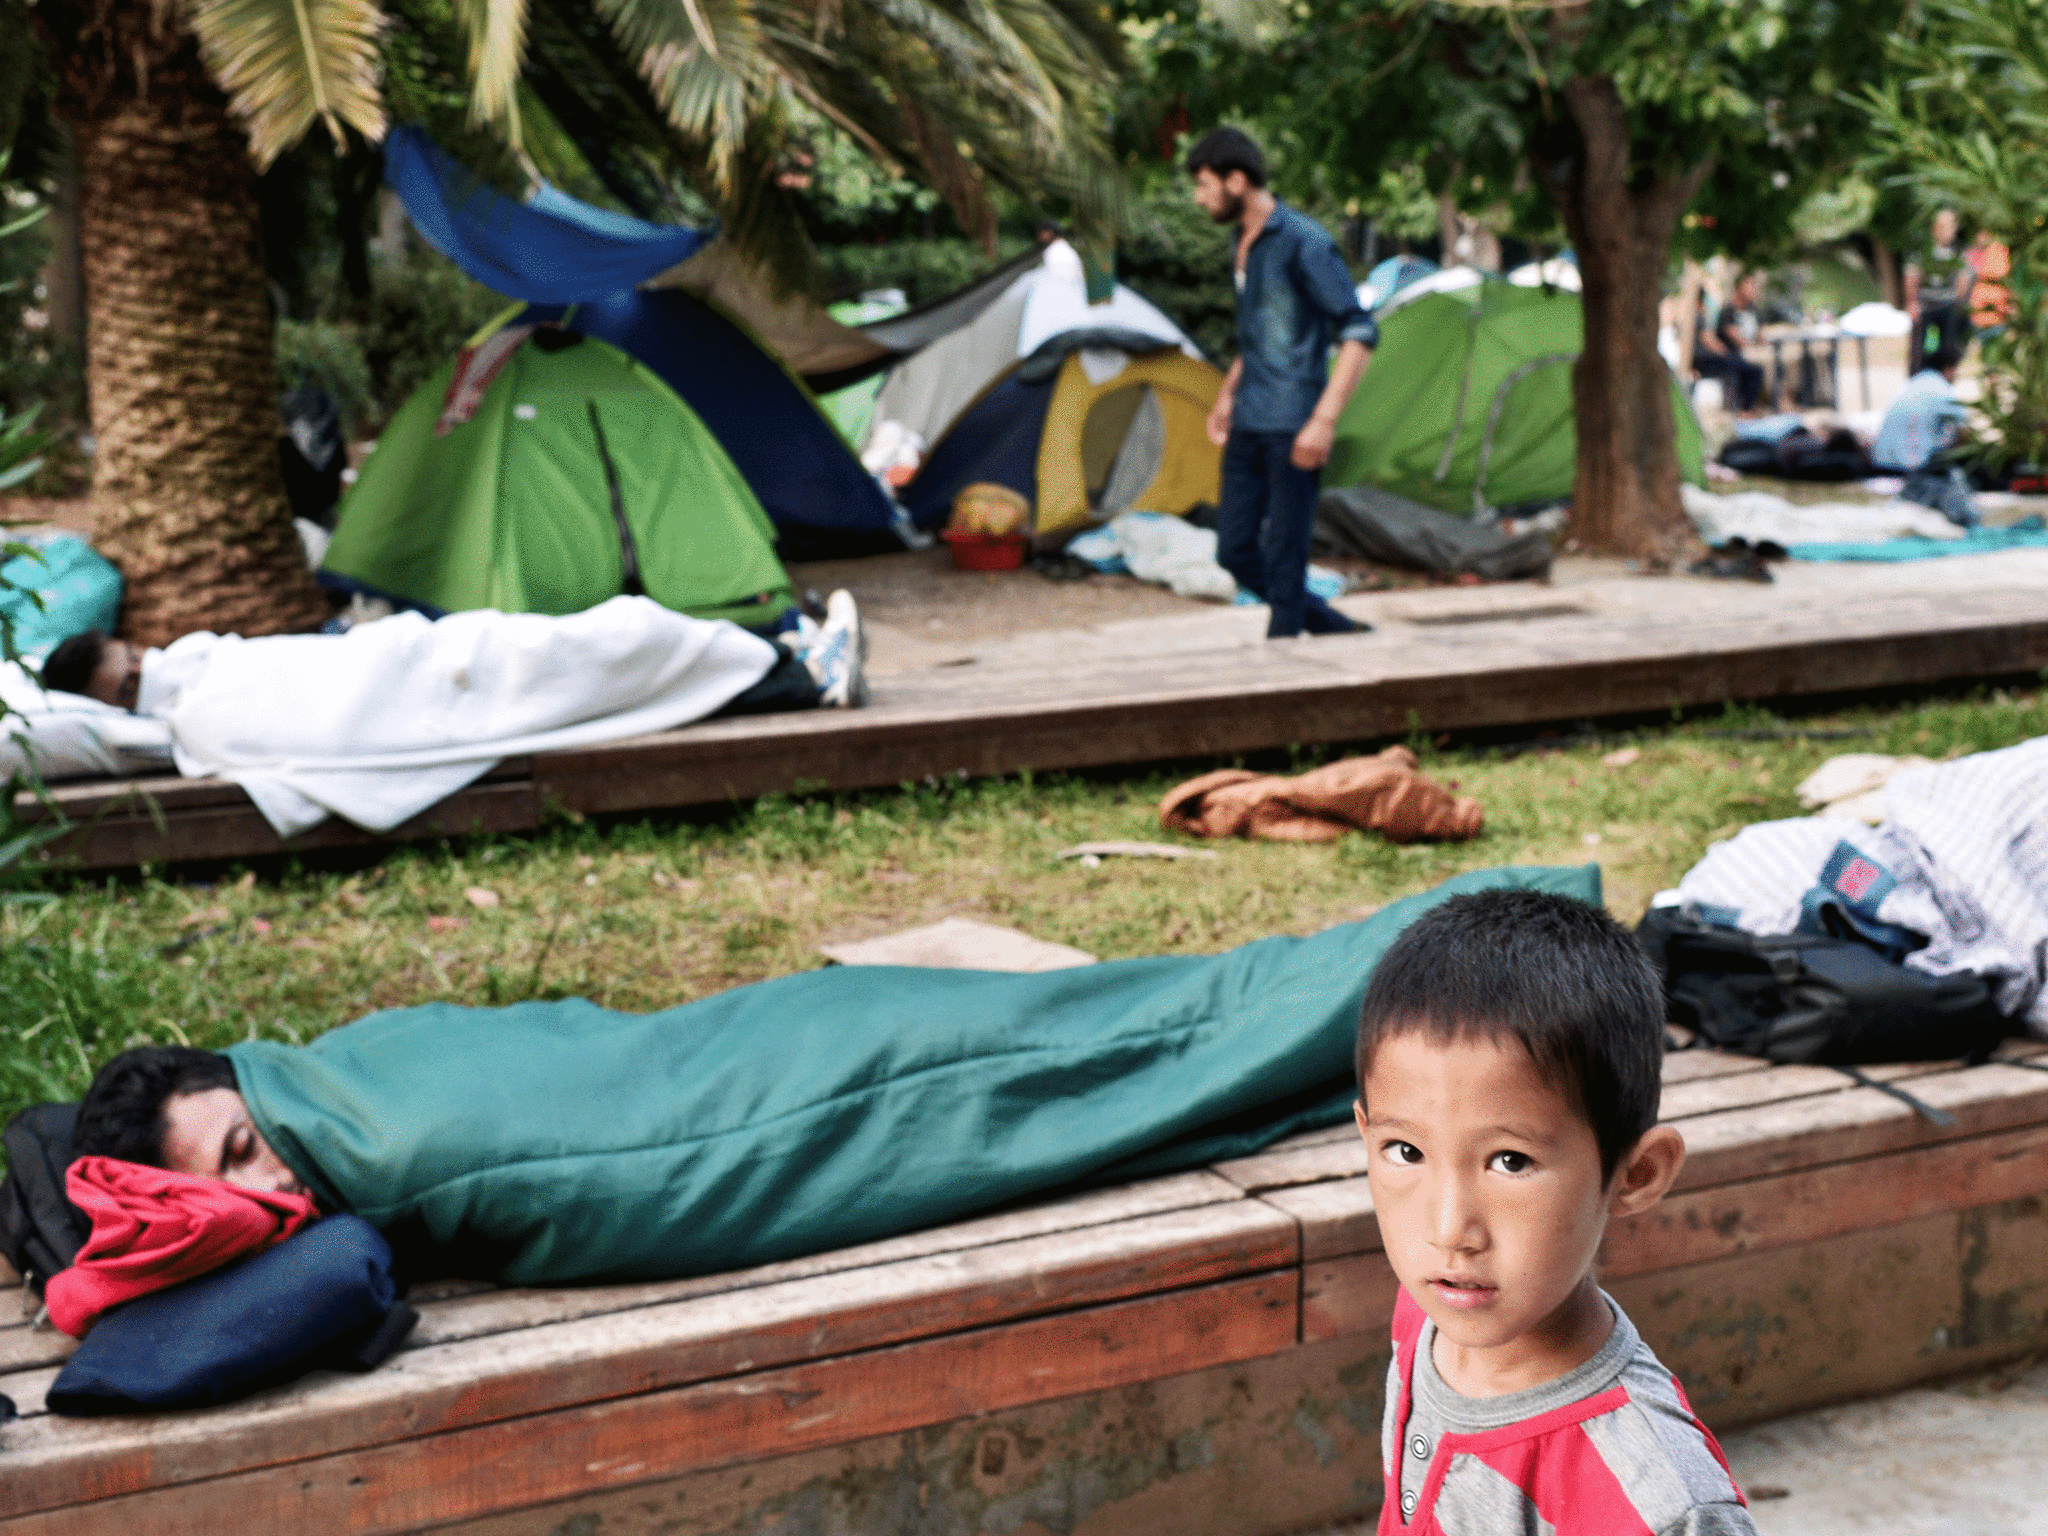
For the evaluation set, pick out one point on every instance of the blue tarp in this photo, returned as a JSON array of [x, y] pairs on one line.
[[553, 250], [2030, 534]]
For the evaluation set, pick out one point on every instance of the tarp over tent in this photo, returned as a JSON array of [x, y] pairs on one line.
[[1084, 409], [493, 487], [553, 250], [1468, 402], [556, 252]]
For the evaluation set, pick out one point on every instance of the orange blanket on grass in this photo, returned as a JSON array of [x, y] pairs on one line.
[[1384, 794]]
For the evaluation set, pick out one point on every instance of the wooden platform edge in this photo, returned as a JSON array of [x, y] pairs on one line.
[[509, 1464], [742, 759]]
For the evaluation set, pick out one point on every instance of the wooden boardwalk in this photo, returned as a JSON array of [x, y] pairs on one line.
[[1201, 1351], [1207, 685]]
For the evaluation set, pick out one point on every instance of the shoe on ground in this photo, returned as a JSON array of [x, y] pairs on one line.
[[838, 658]]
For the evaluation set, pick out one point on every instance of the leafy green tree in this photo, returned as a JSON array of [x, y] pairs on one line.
[[173, 105], [1601, 122], [1962, 119]]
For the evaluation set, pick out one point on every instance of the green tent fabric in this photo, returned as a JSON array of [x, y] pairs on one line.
[[511, 509], [1468, 402], [838, 1106]]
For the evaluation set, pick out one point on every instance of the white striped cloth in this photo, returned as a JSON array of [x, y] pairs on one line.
[[1967, 844]]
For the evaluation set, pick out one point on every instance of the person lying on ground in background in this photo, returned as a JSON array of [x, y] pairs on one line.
[[1276, 416], [1717, 350], [1510, 1050], [828, 672], [393, 717]]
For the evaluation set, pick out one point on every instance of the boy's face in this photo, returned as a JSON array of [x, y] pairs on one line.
[[1491, 1205]]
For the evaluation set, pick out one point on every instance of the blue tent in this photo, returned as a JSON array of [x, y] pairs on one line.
[[579, 267], [996, 441]]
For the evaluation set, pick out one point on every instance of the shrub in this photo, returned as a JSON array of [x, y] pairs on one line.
[[331, 356], [421, 311]]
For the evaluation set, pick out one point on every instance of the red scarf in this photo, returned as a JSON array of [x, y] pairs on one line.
[[152, 1228]]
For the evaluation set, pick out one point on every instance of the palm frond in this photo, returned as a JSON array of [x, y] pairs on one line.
[[705, 63], [284, 63], [496, 30]]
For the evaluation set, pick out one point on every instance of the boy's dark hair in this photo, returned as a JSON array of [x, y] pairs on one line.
[[69, 668], [123, 1111], [1224, 150], [1563, 978]]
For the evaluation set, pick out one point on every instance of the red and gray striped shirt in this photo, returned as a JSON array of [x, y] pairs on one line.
[[1608, 1449]]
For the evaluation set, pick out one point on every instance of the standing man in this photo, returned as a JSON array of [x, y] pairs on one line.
[[1937, 282], [1276, 416]]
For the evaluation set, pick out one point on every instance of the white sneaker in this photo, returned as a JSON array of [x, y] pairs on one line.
[[838, 658]]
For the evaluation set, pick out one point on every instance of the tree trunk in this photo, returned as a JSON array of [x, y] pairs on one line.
[[64, 276], [1891, 287], [1625, 495], [1691, 286], [188, 499]]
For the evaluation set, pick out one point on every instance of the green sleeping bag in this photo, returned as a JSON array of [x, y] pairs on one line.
[[814, 1111]]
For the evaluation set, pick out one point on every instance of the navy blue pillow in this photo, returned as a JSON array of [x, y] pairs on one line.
[[324, 1297]]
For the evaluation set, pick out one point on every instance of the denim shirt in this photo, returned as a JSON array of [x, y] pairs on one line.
[[1296, 303]]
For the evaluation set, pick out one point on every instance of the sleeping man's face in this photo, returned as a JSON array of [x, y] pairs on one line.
[[209, 1134], [117, 679]]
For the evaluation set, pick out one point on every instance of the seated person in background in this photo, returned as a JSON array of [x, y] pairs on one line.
[[1717, 353], [1924, 420], [1509, 1056]]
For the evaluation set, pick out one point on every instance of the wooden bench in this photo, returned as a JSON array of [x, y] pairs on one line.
[[1204, 1351], [1506, 657]]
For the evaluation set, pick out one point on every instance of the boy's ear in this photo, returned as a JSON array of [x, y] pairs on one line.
[[1647, 1171], [1358, 1114]]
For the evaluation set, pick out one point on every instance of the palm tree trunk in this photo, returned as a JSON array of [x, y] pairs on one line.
[[188, 499]]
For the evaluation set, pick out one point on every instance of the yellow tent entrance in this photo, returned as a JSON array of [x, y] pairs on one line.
[[1137, 437]]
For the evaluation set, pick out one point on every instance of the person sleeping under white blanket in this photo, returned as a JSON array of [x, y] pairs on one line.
[[379, 723]]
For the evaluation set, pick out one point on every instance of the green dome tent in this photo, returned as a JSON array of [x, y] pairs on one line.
[[1468, 401], [535, 473]]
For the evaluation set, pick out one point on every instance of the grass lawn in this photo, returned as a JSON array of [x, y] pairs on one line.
[[639, 915]]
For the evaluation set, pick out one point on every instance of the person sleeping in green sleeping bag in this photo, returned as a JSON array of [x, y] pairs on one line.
[[548, 1143]]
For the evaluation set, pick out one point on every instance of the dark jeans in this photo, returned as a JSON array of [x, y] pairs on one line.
[[1742, 382], [1262, 531], [787, 685], [1950, 328]]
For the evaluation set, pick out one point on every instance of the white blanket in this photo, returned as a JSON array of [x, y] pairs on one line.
[[1962, 857], [378, 724], [1759, 516]]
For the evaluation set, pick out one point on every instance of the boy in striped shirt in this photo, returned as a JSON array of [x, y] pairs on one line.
[[1509, 1067]]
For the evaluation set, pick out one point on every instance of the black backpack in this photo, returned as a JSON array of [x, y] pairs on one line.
[[1828, 1001], [41, 1231]]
